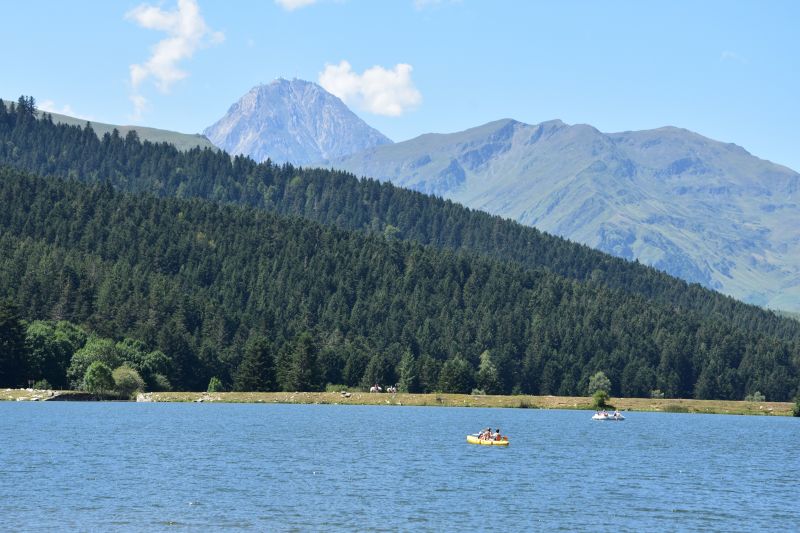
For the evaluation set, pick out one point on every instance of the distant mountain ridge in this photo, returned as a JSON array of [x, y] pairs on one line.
[[292, 121], [181, 141], [703, 210]]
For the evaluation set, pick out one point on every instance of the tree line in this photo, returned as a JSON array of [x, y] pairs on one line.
[[50, 354]]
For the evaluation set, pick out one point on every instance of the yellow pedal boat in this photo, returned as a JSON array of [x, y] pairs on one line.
[[473, 439]]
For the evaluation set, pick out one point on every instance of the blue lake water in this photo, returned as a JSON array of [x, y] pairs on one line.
[[128, 466]]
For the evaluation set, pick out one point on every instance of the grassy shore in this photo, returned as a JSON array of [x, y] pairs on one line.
[[436, 400], [466, 400]]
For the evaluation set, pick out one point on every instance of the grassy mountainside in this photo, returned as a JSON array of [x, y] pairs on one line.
[[702, 210], [181, 141]]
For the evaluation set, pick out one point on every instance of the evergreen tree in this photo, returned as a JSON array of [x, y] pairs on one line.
[[26, 105], [408, 376], [302, 372], [215, 385], [379, 371], [488, 378], [256, 373], [14, 354], [457, 376], [355, 365]]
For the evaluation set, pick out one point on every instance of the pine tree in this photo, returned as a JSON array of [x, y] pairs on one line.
[[488, 377], [26, 105], [256, 373], [14, 354], [379, 371], [302, 370], [457, 376], [408, 380]]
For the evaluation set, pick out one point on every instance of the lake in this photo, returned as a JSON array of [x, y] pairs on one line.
[[129, 466]]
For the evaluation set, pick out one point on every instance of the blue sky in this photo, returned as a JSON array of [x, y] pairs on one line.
[[728, 70]]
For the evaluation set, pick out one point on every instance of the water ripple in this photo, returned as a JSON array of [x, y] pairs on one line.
[[128, 467]]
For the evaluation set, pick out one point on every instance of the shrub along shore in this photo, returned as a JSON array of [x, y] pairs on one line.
[[433, 400]]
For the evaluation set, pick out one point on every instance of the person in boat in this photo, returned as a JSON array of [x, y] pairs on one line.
[[497, 434]]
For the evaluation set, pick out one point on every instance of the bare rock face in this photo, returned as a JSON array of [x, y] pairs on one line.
[[294, 121]]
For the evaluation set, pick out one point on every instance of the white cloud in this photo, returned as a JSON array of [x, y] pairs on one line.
[[291, 5], [727, 55], [186, 32], [140, 105], [50, 106], [378, 90]]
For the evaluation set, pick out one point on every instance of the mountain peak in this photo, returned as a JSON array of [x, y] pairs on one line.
[[295, 84], [294, 121]]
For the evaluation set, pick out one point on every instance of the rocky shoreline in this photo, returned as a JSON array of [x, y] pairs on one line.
[[45, 395]]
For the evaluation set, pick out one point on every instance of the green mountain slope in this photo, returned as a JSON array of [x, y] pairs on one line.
[[702, 210], [339, 199], [196, 280], [181, 141]]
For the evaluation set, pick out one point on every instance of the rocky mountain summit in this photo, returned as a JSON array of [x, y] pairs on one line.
[[706, 211], [292, 121]]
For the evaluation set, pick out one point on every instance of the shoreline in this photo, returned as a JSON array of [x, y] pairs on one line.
[[669, 405]]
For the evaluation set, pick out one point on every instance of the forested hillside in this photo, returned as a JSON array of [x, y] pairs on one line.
[[340, 199], [265, 301], [307, 304], [181, 141]]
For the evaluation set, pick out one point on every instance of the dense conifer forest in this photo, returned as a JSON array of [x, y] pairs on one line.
[[340, 199], [323, 278]]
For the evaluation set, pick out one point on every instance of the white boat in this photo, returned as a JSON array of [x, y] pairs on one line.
[[616, 416]]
